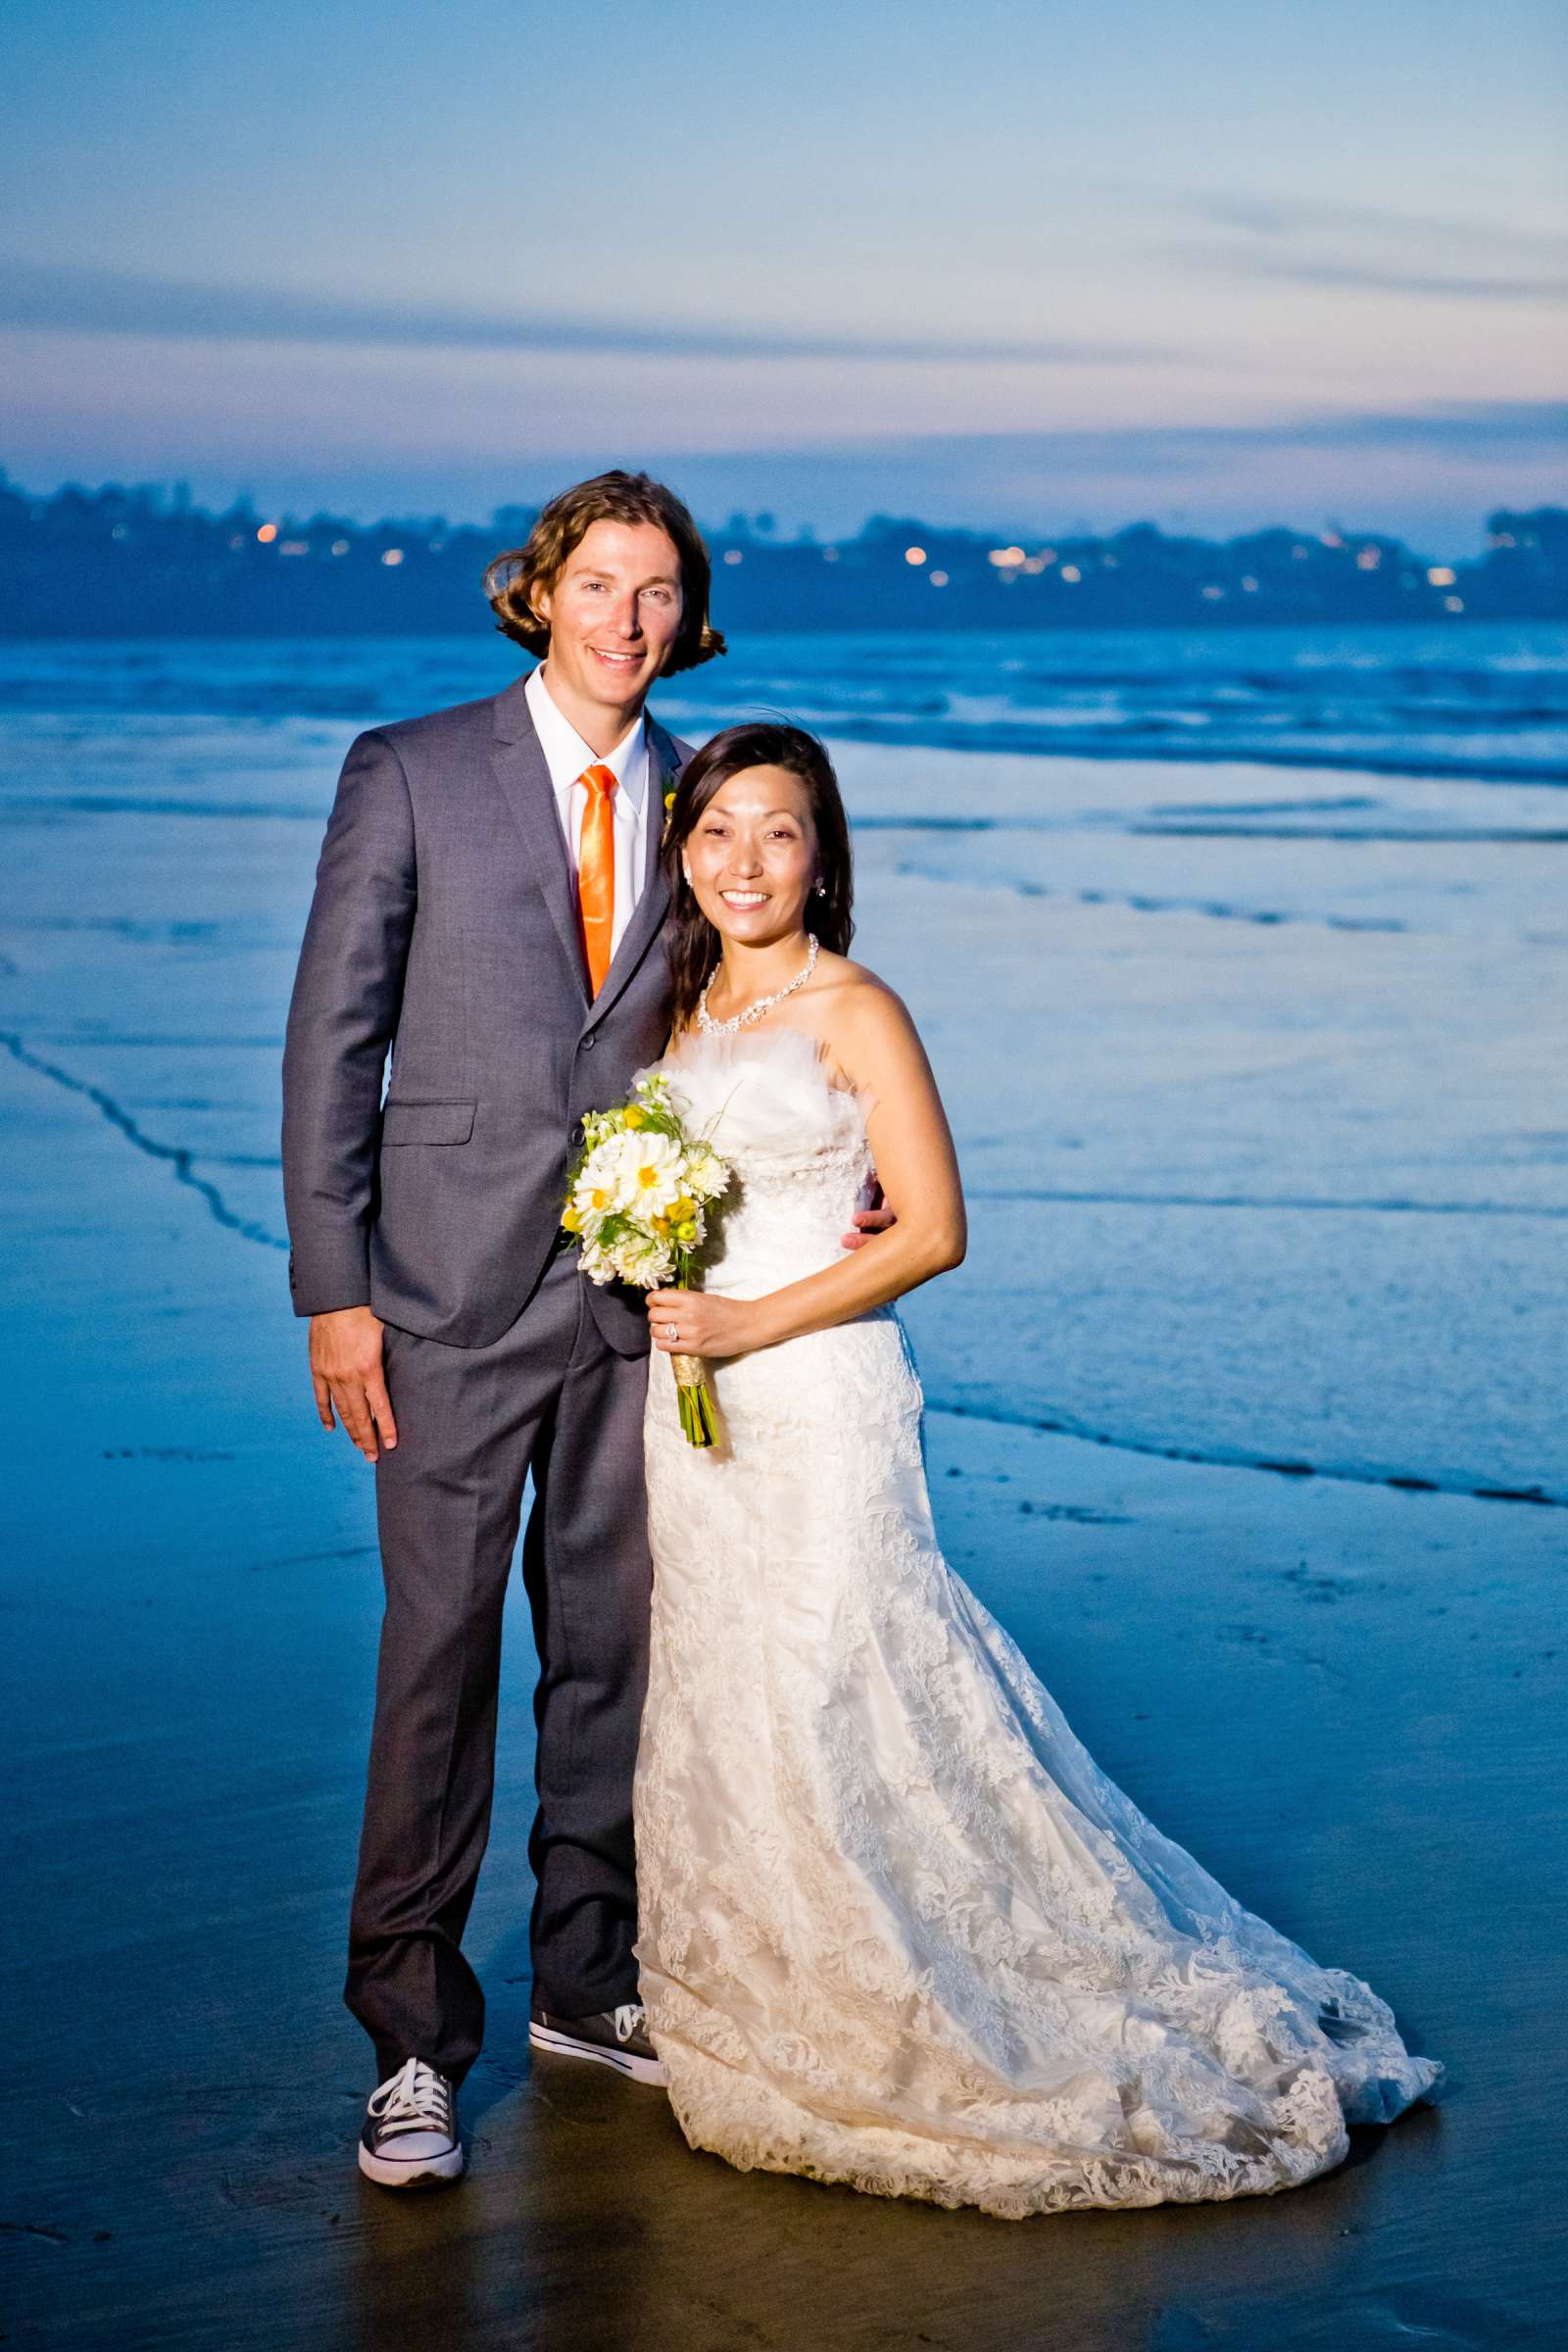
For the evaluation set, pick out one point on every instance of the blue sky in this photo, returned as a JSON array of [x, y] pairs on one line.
[[1021, 265]]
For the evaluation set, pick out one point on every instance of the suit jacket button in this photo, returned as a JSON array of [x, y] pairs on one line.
[[588, 1044]]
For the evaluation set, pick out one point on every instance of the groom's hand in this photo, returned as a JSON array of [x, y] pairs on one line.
[[870, 1222], [346, 1372]]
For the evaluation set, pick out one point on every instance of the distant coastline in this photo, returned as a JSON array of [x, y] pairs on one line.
[[143, 563]]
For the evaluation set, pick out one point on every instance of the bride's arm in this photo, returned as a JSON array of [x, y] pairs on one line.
[[875, 1044]]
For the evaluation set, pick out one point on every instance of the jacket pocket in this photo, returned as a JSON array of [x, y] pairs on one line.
[[426, 1122]]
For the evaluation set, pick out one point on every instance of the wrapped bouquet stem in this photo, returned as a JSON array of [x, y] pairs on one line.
[[698, 1418], [637, 1198]]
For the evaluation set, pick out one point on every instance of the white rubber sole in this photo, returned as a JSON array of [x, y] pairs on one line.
[[624, 2062], [420, 2171]]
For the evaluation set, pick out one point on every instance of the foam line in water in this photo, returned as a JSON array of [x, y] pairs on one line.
[[1220, 1457], [181, 1163]]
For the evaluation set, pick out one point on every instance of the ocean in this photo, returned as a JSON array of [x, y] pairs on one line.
[[1483, 700], [1241, 956], [1243, 966]]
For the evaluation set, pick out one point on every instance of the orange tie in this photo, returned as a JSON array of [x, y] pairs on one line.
[[596, 873]]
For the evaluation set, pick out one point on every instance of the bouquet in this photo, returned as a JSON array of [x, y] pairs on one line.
[[636, 1195]]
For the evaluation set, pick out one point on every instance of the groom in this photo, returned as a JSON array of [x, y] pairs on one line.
[[488, 907]]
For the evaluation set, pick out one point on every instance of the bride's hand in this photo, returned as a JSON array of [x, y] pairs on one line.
[[693, 1323]]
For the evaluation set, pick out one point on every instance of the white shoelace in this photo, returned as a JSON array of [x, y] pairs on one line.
[[630, 2018], [414, 2098]]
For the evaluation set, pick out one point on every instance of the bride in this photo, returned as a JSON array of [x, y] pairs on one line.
[[896, 1928]]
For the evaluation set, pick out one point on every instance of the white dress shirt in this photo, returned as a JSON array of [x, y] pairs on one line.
[[566, 756]]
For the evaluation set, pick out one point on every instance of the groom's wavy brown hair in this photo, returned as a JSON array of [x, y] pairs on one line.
[[693, 943], [515, 580]]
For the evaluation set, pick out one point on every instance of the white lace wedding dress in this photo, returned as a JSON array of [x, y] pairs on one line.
[[896, 1928]]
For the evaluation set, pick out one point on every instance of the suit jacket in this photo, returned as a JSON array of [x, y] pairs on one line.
[[444, 927]]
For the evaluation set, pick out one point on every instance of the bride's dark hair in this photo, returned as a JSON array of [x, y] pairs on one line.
[[693, 943]]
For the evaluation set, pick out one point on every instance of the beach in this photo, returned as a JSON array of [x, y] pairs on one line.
[[1244, 1416]]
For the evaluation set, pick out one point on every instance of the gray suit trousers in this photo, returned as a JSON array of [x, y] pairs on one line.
[[552, 1396]]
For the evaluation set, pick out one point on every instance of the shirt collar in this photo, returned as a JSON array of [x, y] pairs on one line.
[[566, 754]]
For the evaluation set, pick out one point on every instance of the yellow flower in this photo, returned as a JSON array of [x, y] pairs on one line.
[[572, 1221], [684, 1208], [632, 1117]]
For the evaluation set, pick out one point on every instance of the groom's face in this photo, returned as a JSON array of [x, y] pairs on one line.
[[614, 614]]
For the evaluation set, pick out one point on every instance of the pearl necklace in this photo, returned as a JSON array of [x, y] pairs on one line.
[[753, 1012]]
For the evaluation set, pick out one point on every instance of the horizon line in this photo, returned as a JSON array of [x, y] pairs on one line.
[[756, 527]]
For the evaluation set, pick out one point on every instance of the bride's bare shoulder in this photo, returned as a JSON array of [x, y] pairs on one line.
[[853, 982], [857, 1005]]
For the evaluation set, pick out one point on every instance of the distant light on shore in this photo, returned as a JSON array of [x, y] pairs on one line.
[[168, 566]]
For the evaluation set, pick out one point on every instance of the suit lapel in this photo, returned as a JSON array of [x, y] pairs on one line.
[[524, 775]]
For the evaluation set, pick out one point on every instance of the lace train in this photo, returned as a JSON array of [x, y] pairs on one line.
[[897, 1928]]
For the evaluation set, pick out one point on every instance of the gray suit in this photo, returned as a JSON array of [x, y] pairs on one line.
[[444, 926]]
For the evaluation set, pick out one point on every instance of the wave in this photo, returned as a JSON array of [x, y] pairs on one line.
[[1485, 700]]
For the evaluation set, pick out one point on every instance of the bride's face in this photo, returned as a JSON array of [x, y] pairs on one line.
[[750, 857]]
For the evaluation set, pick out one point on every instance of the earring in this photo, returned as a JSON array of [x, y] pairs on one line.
[[687, 872]]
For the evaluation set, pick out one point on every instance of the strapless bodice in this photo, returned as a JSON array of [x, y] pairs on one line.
[[796, 1146]]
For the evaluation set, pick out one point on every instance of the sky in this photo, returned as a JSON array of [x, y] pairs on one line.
[[1019, 264]]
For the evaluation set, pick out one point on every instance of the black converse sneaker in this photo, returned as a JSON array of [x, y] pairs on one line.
[[617, 2037], [411, 2137]]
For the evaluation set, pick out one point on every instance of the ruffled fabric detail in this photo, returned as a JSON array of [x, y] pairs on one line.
[[897, 1928]]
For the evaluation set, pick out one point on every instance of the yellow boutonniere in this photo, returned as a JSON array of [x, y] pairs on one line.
[[669, 803]]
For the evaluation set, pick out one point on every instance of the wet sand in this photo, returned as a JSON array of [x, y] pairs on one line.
[[1345, 1698], [1263, 1143]]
